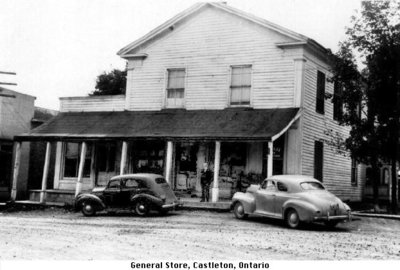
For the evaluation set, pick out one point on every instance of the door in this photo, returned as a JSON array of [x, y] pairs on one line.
[[105, 162], [112, 194], [130, 188], [265, 198], [282, 195]]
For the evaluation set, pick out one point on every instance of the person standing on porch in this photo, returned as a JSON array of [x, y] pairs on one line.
[[205, 180]]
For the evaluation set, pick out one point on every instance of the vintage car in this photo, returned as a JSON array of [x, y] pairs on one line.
[[292, 198], [138, 192]]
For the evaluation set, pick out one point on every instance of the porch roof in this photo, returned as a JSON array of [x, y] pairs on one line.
[[232, 124]]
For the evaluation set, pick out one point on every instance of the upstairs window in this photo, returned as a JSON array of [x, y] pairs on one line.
[[320, 102], [240, 85], [337, 102], [176, 87]]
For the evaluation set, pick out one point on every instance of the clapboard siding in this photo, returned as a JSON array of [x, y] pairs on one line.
[[94, 103], [207, 45], [336, 167]]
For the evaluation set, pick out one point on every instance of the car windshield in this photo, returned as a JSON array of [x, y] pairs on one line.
[[311, 186], [160, 180]]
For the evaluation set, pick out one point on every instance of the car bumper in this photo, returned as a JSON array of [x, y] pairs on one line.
[[347, 217], [175, 205]]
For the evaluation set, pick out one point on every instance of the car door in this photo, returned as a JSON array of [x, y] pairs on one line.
[[282, 195], [130, 188], [112, 193], [265, 198]]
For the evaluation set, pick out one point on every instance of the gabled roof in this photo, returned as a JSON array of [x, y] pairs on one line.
[[221, 6]]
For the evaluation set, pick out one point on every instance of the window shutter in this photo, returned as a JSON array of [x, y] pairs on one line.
[[320, 102], [318, 160], [337, 102]]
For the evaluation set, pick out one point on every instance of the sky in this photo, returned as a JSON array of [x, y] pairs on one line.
[[58, 48]]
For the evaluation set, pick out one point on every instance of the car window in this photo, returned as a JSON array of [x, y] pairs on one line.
[[264, 184], [131, 183], [114, 184], [282, 187], [160, 180], [270, 185], [312, 186]]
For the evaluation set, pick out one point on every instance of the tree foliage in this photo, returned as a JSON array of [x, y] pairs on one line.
[[110, 83], [371, 98]]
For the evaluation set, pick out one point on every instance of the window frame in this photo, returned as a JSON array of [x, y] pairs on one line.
[[166, 89], [320, 92], [230, 86]]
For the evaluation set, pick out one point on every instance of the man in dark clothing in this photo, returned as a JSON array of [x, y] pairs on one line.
[[205, 180]]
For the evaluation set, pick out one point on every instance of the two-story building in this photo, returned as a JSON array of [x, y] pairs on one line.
[[213, 84]]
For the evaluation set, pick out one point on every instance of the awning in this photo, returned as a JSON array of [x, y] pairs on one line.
[[232, 124]]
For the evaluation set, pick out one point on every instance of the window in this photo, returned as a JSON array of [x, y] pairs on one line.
[[72, 152], [175, 87], [282, 187], [115, 184], [318, 160], [354, 172], [311, 186], [320, 103], [268, 185], [337, 102], [240, 85]]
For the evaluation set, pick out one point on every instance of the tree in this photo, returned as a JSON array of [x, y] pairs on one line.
[[110, 83], [372, 98]]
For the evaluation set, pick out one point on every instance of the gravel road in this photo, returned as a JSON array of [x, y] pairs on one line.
[[188, 235]]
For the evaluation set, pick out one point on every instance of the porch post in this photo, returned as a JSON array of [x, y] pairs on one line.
[[45, 172], [217, 159], [270, 158], [16, 170], [78, 188], [168, 165], [123, 157]]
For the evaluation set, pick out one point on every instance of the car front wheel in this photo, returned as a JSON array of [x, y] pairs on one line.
[[238, 210], [88, 209], [292, 219], [142, 208]]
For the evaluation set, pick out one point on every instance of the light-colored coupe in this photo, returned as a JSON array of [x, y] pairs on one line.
[[293, 198]]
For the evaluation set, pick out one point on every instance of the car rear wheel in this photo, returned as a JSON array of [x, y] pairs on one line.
[[142, 208], [238, 210], [88, 208], [292, 219]]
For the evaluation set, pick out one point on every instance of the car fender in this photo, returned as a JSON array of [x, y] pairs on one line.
[[306, 210], [154, 200], [246, 199], [89, 197]]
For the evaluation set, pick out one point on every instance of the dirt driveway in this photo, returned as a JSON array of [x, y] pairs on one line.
[[59, 234]]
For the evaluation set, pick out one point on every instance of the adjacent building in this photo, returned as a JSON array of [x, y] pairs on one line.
[[213, 84]]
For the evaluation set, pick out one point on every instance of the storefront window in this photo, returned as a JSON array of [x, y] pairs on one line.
[[71, 160], [233, 159], [148, 157], [6, 150]]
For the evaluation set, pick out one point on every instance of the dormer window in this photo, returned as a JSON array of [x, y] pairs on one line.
[[176, 87], [240, 85]]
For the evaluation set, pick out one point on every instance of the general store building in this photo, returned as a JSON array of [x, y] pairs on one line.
[[213, 84]]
